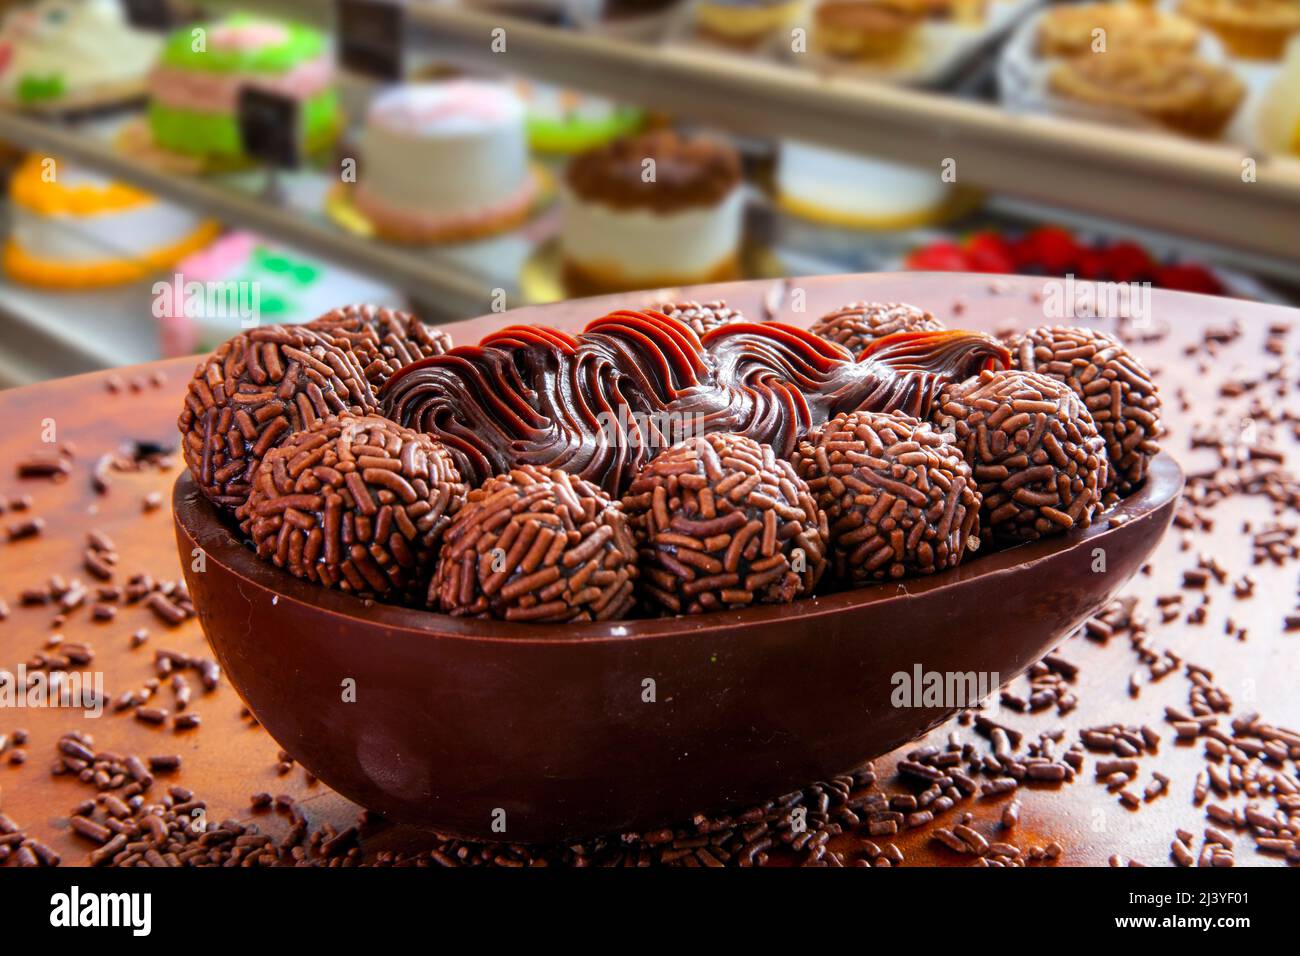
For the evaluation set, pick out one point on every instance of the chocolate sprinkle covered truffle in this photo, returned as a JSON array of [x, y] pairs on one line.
[[384, 339], [702, 317], [256, 390], [898, 495], [355, 503], [537, 544], [1034, 449], [723, 523], [1113, 384], [858, 324]]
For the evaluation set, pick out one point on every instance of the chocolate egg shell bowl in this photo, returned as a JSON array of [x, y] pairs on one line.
[[665, 571]]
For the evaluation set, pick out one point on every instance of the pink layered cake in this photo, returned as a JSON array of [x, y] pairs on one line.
[[241, 281], [194, 88], [444, 161]]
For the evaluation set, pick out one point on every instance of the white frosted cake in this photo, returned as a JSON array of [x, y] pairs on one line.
[[71, 53], [626, 228], [444, 161], [74, 229], [846, 189]]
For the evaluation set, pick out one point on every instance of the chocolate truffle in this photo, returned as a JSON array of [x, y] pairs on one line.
[[898, 495], [254, 391], [702, 317], [384, 339], [1034, 449], [355, 503], [723, 523], [1115, 386], [537, 544], [858, 324]]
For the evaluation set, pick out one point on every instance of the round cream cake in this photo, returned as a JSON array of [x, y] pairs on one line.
[[641, 248], [846, 189], [445, 160], [72, 228], [651, 211]]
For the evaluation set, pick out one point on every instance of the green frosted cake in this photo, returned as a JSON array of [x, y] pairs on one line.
[[194, 89]]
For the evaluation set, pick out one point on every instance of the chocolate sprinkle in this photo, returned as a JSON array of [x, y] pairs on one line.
[[1116, 388], [724, 523], [1034, 450], [355, 503], [899, 496], [858, 324], [537, 545], [384, 339], [253, 392]]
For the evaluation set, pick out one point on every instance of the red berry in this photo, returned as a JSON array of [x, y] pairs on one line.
[[1092, 266], [989, 252], [1052, 248], [1187, 277], [938, 257], [1128, 262]]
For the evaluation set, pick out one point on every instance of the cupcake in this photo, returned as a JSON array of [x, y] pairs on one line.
[[651, 210], [1251, 29], [1071, 30], [862, 29], [965, 11], [743, 23]]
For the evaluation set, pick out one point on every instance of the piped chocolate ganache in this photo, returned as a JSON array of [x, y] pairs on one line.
[[600, 404]]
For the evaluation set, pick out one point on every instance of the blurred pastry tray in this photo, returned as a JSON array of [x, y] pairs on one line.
[[1023, 77], [933, 56]]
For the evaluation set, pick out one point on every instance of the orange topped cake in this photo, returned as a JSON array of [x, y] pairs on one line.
[[73, 229]]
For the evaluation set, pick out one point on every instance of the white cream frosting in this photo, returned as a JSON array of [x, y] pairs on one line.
[[86, 43], [107, 237]]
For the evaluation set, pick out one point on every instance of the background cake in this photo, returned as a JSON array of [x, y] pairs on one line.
[[445, 161], [559, 120], [1279, 114], [620, 231], [69, 53], [845, 189], [73, 229], [290, 288], [194, 89]]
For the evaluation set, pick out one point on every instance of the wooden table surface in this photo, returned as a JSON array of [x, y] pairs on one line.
[[228, 757]]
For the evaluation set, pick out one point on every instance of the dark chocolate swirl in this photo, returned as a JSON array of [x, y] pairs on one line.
[[601, 404]]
